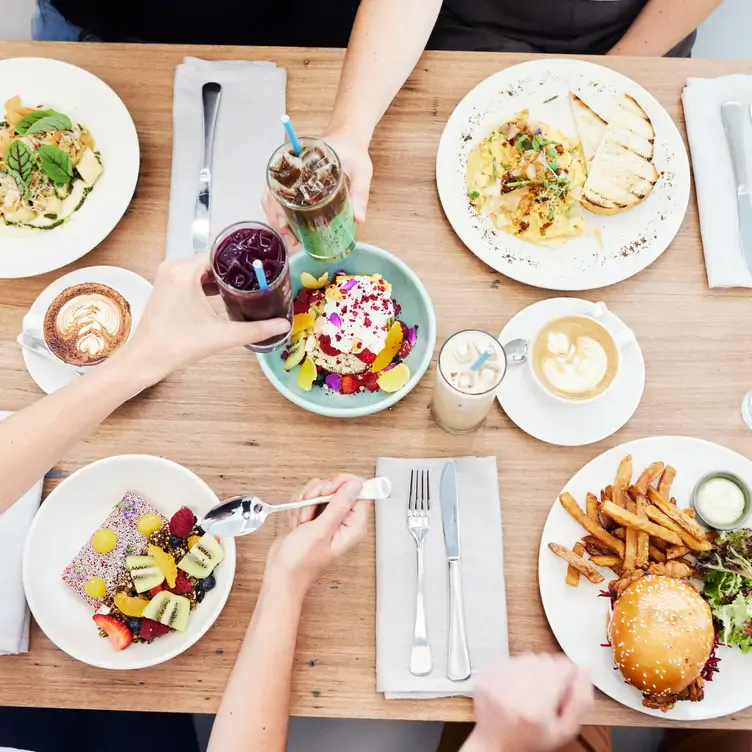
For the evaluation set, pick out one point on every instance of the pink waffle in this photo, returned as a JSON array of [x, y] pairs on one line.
[[123, 521]]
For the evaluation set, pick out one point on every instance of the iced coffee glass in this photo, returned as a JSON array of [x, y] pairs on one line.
[[471, 366], [312, 190]]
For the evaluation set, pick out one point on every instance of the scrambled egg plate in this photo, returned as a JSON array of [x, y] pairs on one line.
[[528, 178]]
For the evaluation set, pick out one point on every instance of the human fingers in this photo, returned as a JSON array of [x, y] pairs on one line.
[[278, 220], [353, 528], [236, 333], [577, 700], [360, 176], [340, 506], [309, 491]]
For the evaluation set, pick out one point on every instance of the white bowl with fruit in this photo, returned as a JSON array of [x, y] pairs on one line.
[[133, 582]]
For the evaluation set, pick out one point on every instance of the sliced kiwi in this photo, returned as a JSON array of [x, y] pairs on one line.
[[296, 354], [169, 609], [200, 561], [145, 572]]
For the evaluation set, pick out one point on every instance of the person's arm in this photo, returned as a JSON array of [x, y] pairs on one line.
[[661, 25], [178, 327], [255, 708]]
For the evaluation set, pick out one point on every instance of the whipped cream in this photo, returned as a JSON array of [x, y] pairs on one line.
[[357, 313], [574, 367]]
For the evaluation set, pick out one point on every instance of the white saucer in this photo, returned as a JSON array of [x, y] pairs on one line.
[[51, 375], [555, 422]]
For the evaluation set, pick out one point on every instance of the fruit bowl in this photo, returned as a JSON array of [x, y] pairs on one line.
[[77, 507], [417, 309]]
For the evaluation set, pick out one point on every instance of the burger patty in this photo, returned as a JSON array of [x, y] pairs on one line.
[[695, 692]]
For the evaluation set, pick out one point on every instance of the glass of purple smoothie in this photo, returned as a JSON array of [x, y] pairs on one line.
[[232, 255]]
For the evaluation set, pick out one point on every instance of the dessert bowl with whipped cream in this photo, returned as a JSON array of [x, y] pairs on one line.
[[363, 334], [577, 358]]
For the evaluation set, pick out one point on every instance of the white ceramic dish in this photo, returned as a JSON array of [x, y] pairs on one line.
[[51, 375], [70, 515], [628, 242], [552, 419], [25, 252], [578, 617]]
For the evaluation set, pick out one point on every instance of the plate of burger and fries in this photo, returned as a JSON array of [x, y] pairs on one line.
[[621, 587]]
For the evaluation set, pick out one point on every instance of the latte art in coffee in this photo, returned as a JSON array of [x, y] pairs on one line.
[[86, 324], [575, 357]]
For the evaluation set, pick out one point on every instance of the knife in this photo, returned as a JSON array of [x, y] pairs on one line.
[[458, 660], [210, 94], [734, 125]]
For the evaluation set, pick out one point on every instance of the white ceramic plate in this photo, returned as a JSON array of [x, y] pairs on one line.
[[51, 375], [68, 518], [25, 252], [578, 617], [555, 422], [630, 241]]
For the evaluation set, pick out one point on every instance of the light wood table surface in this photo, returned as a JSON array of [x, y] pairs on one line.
[[226, 423]]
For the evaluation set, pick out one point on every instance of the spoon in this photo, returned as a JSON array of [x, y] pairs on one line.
[[241, 515], [516, 351], [34, 344]]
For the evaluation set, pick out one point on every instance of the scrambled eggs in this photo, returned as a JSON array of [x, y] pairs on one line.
[[528, 178]]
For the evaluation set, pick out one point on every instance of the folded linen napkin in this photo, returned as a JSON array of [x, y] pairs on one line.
[[396, 578], [714, 174], [248, 131], [14, 614]]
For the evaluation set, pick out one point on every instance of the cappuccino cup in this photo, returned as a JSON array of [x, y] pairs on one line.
[[577, 358]]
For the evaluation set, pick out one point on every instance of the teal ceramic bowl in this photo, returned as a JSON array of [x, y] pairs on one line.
[[417, 308]]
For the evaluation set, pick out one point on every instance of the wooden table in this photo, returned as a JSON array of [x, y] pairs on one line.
[[225, 422]]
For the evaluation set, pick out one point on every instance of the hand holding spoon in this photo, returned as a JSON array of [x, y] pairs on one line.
[[241, 515]]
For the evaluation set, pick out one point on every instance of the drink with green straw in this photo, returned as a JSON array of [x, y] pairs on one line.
[[306, 178]]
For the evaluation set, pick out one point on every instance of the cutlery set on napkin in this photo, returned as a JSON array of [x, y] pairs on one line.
[[440, 597], [719, 127]]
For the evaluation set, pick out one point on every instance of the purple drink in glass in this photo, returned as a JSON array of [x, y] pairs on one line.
[[232, 256]]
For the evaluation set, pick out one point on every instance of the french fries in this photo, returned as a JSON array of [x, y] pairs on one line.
[[591, 505], [665, 481], [621, 484], [633, 522], [675, 514], [573, 574], [593, 527], [630, 552], [656, 554], [676, 552], [577, 562], [606, 561], [662, 519], [594, 546], [643, 539], [651, 473]]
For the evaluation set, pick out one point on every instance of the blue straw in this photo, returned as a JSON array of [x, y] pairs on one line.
[[481, 360], [296, 147], [258, 267]]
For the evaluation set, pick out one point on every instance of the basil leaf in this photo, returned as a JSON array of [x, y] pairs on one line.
[[20, 159], [23, 125], [53, 122], [56, 164]]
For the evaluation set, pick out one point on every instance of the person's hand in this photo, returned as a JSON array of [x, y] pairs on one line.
[[532, 703], [358, 167], [179, 325], [311, 543]]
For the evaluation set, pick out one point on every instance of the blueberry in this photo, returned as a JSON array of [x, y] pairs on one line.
[[199, 594], [207, 583], [199, 530], [176, 541], [133, 624]]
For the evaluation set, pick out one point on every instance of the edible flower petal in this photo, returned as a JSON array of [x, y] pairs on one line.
[[334, 381], [412, 336], [349, 284], [336, 320]]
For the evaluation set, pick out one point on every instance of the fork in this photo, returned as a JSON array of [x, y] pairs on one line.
[[418, 522]]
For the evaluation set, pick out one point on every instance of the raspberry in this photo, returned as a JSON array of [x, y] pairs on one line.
[[325, 343], [299, 307], [183, 585], [367, 357], [151, 629], [157, 589], [404, 330], [371, 382], [405, 349], [182, 522], [349, 385]]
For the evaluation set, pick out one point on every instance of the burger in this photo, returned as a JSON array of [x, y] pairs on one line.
[[662, 635]]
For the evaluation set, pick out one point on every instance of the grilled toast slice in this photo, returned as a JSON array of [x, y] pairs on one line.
[[622, 173], [590, 128]]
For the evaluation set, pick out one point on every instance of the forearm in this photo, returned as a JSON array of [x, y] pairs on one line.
[[34, 439], [661, 25], [255, 709], [387, 40]]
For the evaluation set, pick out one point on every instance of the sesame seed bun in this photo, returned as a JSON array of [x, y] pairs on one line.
[[662, 635]]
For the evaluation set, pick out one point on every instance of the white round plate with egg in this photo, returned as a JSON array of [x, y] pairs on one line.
[[27, 252], [614, 248], [78, 506], [579, 618], [551, 419], [51, 374]]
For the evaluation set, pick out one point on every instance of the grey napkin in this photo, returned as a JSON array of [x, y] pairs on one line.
[[396, 577], [248, 131], [14, 614]]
